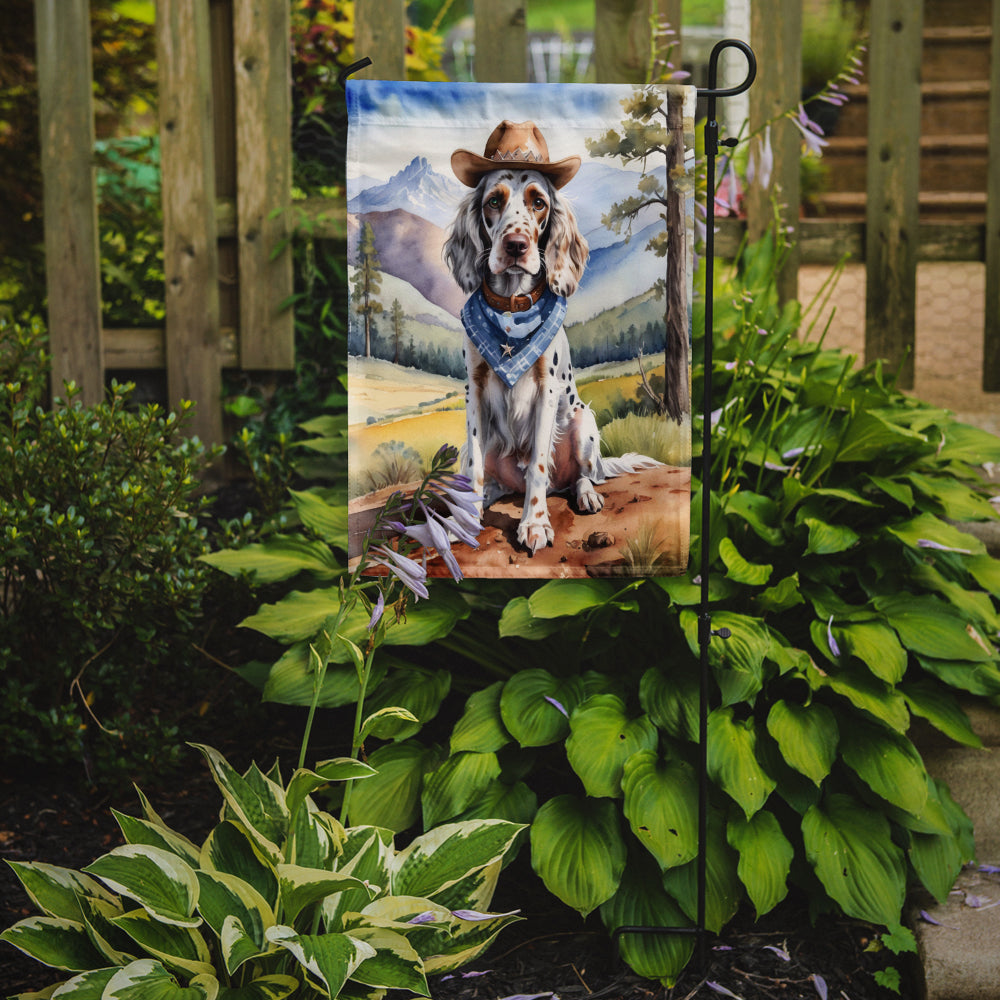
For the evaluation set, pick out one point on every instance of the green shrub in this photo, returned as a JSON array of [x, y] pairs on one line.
[[279, 900], [101, 584]]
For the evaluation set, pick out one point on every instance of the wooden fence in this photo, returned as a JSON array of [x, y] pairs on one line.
[[226, 161]]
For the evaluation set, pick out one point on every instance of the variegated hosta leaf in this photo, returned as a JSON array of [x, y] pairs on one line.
[[723, 889], [765, 858], [158, 880], [602, 737], [56, 891], [315, 838], [329, 959], [256, 801], [177, 947], [116, 947], [54, 941], [86, 986], [661, 805], [149, 980], [481, 727], [441, 857], [578, 851], [395, 964], [535, 706], [230, 849], [141, 831], [300, 887], [304, 782], [642, 902], [851, 849], [732, 760], [366, 855], [807, 736], [456, 784], [224, 898], [475, 891], [274, 987], [468, 939]]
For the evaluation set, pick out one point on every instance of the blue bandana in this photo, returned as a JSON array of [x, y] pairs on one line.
[[511, 342]]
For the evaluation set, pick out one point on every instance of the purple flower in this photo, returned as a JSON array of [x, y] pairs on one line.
[[377, 611], [475, 915], [427, 917], [409, 573], [811, 132], [780, 952], [831, 642], [761, 163], [820, 983], [552, 701], [927, 543], [719, 988]]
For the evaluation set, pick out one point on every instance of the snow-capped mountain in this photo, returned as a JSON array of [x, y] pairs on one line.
[[416, 189]]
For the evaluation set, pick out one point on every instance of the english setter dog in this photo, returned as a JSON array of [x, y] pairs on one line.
[[515, 249]]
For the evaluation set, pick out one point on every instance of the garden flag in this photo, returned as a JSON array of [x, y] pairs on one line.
[[519, 267]]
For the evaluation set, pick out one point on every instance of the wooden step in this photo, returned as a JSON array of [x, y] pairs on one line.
[[956, 53], [957, 206], [945, 106], [947, 162]]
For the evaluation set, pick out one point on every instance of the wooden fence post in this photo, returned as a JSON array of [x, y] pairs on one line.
[[991, 332], [190, 251], [892, 213], [72, 255], [622, 40], [380, 34], [262, 61], [776, 34], [501, 37]]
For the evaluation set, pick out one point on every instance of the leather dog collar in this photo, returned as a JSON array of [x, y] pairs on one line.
[[513, 303]]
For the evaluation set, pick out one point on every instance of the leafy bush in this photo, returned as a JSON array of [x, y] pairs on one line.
[[854, 605], [280, 899], [99, 542]]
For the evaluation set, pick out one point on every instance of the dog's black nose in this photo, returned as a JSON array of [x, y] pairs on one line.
[[515, 245]]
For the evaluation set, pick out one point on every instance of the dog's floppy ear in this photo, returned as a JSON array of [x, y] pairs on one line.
[[465, 245], [566, 249]]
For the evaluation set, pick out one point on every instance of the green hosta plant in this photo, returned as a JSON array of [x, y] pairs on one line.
[[279, 900]]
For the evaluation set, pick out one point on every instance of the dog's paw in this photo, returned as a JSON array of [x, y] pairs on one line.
[[534, 537], [588, 500]]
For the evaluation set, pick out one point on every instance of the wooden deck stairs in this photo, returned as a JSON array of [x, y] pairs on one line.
[[955, 86]]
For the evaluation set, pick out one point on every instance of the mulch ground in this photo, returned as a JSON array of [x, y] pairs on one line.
[[550, 953]]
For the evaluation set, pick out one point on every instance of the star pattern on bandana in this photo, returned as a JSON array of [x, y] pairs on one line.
[[508, 350]]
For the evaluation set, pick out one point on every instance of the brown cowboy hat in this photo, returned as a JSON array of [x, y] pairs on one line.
[[513, 142]]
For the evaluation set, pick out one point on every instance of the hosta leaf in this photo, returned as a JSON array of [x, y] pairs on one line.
[[159, 881], [783, 595], [516, 803], [141, 831], [54, 941], [957, 501], [738, 661], [758, 511], [481, 728], [578, 851], [304, 782], [739, 569], [366, 855], [530, 706], [559, 598], [976, 678], [225, 897], [850, 848], [391, 798], [807, 736], [888, 763], [661, 799], [641, 901], [87, 986], [441, 857], [732, 760], [876, 646], [466, 941], [456, 784], [937, 858], [301, 887], [941, 709], [275, 987], [828, 539], [765, 858], [279, 558], [671, 700], [230, 849], [928, 528], [418, 691], [395, 964], [723, 889], [931, 628], [292, 680], [330, 959], [871, 435], [56, 891], [517, 620], [602, 738], [147, 979], [260, 809], [985, 569], [327, 520], [866, 692], [180, 948]]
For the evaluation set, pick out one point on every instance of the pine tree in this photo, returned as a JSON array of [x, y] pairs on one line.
[[367, 283], [397, 329]]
